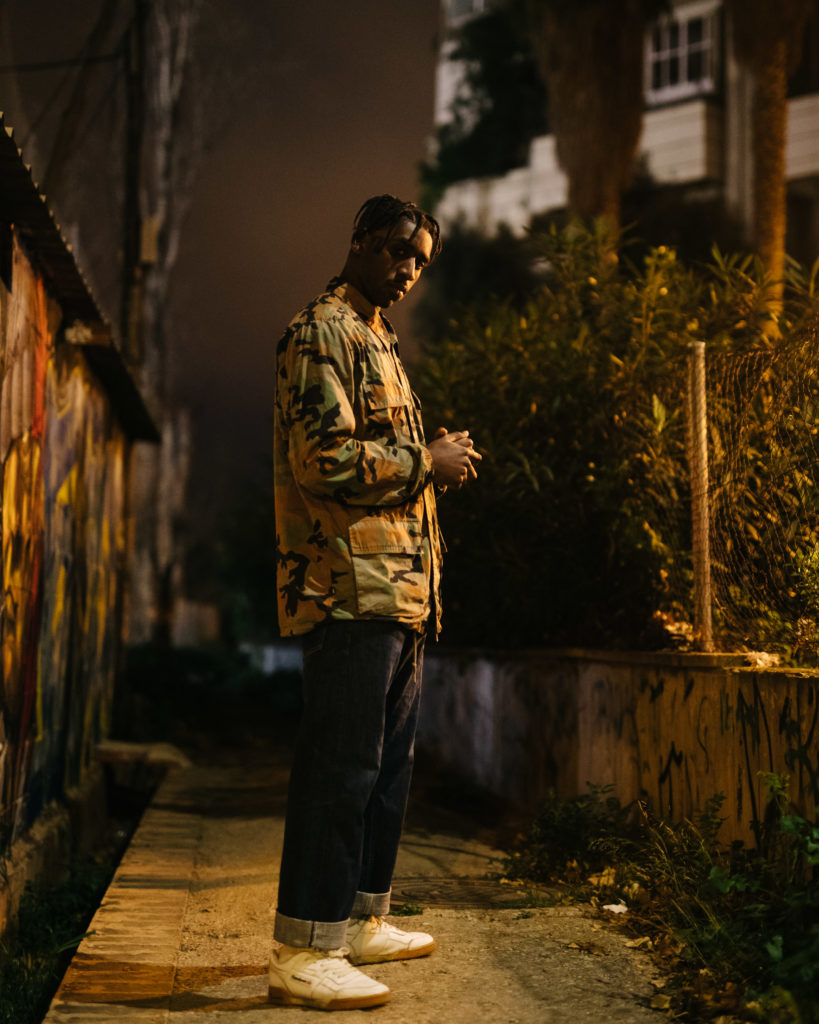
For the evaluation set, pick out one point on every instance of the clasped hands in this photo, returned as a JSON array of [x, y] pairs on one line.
[[453, 457]]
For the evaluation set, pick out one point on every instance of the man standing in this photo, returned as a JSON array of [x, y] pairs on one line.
[[358, 558]]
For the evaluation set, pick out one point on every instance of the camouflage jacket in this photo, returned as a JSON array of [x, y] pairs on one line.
[[356, 525]]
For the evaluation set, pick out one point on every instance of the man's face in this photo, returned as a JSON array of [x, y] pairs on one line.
[[387, 264]]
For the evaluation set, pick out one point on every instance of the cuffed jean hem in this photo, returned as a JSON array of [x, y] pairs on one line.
[[292, 931], [371, 904]]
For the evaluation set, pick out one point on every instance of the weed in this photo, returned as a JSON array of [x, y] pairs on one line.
[[568, 837], [738, 927], [408, 909], [50, 925]]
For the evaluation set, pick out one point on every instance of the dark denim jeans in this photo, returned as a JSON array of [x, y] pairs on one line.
[[350, 778]]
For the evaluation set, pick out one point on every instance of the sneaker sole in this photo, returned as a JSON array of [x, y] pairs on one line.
[[401, 954], [282, 998]]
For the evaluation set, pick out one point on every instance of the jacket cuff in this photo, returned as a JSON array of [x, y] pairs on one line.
[[428, 465]]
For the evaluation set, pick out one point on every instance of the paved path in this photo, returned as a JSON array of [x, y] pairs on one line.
[[184, 932]]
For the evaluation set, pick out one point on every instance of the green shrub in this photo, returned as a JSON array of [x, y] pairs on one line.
[[578, 529]]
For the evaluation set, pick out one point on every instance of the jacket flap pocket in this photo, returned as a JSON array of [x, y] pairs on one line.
[[386, 395], [372, 536]]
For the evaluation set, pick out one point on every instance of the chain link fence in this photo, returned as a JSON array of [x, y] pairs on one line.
[[753, 456]]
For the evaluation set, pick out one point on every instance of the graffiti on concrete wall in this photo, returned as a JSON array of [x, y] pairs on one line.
[[25, 353], [649, 726], [679, 736], [62, 459]]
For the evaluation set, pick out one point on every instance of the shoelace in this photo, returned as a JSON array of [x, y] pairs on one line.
[[377, 922], [335, 963], [382, 924]]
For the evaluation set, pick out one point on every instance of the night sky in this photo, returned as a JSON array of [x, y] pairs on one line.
[[341, 109], [347, 115]]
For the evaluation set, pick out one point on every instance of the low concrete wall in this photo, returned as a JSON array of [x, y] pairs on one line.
[[670, 729]]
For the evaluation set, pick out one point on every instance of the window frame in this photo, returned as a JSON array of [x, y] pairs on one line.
[[709, 11]]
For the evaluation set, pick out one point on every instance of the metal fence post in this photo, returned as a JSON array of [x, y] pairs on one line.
[[697, 438]]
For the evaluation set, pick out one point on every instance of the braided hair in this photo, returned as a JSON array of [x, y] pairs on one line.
[[388, 211]]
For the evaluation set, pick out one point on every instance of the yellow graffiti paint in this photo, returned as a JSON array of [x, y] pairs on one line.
[[59, 602]]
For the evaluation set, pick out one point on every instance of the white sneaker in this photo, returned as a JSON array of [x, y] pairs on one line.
[[370, 940], [323, 979]]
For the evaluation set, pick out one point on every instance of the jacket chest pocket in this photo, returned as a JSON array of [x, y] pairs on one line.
[[387, 414], [391, 565]]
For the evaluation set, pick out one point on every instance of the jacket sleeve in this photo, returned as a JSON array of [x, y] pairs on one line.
[[325, 456]]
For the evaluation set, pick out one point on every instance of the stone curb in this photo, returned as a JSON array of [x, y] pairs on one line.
[[124, 969]]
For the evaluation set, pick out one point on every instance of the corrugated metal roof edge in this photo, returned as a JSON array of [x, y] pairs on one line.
[[22, 204]]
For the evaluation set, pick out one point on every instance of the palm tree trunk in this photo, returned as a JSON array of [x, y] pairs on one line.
[[770, 119], [767, 40], [591, 57]]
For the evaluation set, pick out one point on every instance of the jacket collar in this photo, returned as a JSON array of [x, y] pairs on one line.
[[371, 314]]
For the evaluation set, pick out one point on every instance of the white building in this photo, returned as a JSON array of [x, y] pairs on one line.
[[696, 128]]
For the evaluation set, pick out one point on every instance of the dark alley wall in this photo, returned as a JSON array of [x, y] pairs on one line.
[[63, 491]]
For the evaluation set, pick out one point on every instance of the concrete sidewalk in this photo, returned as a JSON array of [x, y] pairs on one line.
[[184, 932]]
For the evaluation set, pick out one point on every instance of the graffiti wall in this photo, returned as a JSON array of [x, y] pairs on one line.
[[661, 728], [62, 486]]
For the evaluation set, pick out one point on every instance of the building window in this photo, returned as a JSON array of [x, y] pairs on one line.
[[460, 10], [805, 78], [682, 54]]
